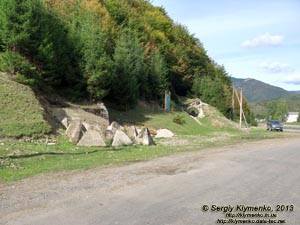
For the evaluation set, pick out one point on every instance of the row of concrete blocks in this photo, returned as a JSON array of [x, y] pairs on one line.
[[84, 134]]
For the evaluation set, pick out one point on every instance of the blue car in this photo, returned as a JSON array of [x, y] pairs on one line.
[[274, 125]]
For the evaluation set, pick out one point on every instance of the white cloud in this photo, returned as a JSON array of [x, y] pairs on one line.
[[276, 67], [263, 40], [294, 79]]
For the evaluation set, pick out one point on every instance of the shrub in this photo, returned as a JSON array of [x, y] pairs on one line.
[[179, 120], [254, 123], [15, 64]]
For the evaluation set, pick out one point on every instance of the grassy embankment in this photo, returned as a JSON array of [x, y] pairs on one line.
[[19, 159], [22, 115], [20, 112]]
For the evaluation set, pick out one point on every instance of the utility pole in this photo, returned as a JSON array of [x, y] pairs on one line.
[[240, 101], [233, 91], [241, 108]]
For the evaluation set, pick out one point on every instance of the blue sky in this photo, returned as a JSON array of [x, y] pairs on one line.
[[257, 39]]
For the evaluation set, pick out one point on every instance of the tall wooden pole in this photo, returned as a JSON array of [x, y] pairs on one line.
[[241, 108], [233, 92]]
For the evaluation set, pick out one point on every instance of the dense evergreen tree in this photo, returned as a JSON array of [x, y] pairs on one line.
[[16, 24], [90, 43], [125, 85], [15, 29], [158, 81], [52, 51], [36, 45]]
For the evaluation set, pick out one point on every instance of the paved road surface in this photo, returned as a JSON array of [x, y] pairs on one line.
[[167, 191]]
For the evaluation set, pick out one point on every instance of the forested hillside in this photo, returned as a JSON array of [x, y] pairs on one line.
[[117, 50]]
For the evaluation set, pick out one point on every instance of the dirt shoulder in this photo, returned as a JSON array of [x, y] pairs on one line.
[[61, 188]]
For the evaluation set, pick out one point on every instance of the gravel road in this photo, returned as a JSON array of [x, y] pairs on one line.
[[165, 191]]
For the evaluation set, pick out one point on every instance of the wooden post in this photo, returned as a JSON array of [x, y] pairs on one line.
[[233, 91], [241, 108]]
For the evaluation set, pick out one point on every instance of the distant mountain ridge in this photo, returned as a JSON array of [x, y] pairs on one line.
[[294, 92], [255, 90]]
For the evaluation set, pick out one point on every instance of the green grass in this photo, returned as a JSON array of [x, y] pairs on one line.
[[293, 123], [155, 118], [19, 159], [20, 112]]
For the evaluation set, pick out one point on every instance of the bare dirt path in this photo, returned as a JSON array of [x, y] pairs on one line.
[[94, 196]]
